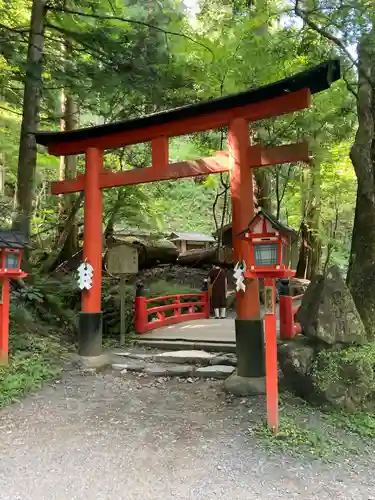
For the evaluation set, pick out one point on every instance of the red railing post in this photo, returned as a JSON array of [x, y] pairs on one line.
[[140, 313], [286, 317], [206, 307], [287, 310], [287, 330], [177, 309]]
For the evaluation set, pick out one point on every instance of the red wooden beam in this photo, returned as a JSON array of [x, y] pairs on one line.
[[288, 153], [204, 166], [160, 153], [259, 156], [288, 103]]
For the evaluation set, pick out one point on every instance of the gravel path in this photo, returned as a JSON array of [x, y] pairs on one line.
[[112, 437]]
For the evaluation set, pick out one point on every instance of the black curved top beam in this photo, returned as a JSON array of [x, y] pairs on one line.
[[316, 79]]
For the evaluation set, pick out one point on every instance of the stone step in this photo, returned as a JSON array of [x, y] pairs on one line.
[[170, 370], [177, 345], [191, 357]]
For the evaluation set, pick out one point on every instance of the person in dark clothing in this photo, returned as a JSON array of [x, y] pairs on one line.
[[218, 291]]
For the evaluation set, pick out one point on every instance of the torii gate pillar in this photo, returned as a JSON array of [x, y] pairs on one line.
[[90, 319], [248, 324]]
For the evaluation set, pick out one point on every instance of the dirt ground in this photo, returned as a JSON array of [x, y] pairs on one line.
[[112, 436]]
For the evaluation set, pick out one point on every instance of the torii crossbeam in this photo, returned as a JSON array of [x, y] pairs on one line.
[[235, 112]]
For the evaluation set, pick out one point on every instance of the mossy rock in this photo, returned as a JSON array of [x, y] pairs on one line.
[[344, 378], [341, 378], [296, 359]]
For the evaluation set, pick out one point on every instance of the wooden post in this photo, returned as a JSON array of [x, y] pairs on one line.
[[122, 310], [90, 328], [249, 331], [271, 354], [4, 321]]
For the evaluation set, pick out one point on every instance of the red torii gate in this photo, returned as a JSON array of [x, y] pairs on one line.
[[235, 112]]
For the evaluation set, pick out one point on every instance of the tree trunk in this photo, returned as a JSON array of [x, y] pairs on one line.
[[361, 272], [68, 168], [313, 222], [263, 188], [30, 120], [311, 245], [303, 258], [55, 256]]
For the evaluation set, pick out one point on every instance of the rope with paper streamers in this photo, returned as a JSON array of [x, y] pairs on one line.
[[239, 270]]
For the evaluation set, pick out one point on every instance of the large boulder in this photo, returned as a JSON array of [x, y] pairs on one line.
[[336, 378], [295, 360], [328, 314]]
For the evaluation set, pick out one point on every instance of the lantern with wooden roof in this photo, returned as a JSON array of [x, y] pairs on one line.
[[271, 244], [12, 244]]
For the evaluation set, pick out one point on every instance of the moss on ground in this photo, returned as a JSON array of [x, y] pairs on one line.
[[33, 360], [307, 431]]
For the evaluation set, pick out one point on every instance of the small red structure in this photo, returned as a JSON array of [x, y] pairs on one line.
[[288, 307], [269, 258], [149, 314], [270, 245], [12, 244]]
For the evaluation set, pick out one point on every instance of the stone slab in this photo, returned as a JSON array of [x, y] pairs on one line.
[[155, 370], [217, 371], [119, 366], [185, 357], [245, 386], [177, 345], [226, 359], [179, 370], [132, 365], [132, 355]]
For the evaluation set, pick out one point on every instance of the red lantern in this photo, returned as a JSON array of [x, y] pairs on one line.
[[270, 258], [11, 246], [271, 244]]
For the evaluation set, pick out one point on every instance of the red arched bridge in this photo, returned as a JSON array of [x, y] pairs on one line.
[[161, 318]]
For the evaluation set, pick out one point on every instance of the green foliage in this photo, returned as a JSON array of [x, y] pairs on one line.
[[162, 288], [120, 63], [111, 308], [33, 361], [29, 294], [361, 423], [355, 363]]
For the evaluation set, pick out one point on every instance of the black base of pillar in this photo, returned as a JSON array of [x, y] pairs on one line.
[[90, 334], [250, 348]]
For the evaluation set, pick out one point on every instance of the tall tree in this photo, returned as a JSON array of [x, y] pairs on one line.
[[30, 118], [345, 26]]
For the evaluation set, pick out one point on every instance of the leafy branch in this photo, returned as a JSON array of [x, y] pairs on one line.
[[105, 17], [324, 33]]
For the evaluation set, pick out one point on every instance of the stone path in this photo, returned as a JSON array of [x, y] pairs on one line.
[[126, 437], [188, 364]]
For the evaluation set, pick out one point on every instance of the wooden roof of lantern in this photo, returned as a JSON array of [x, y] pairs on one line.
[[14, 240], [276, 224]]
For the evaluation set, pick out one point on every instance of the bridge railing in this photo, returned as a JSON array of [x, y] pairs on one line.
[[288, 307], [168, 310]]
